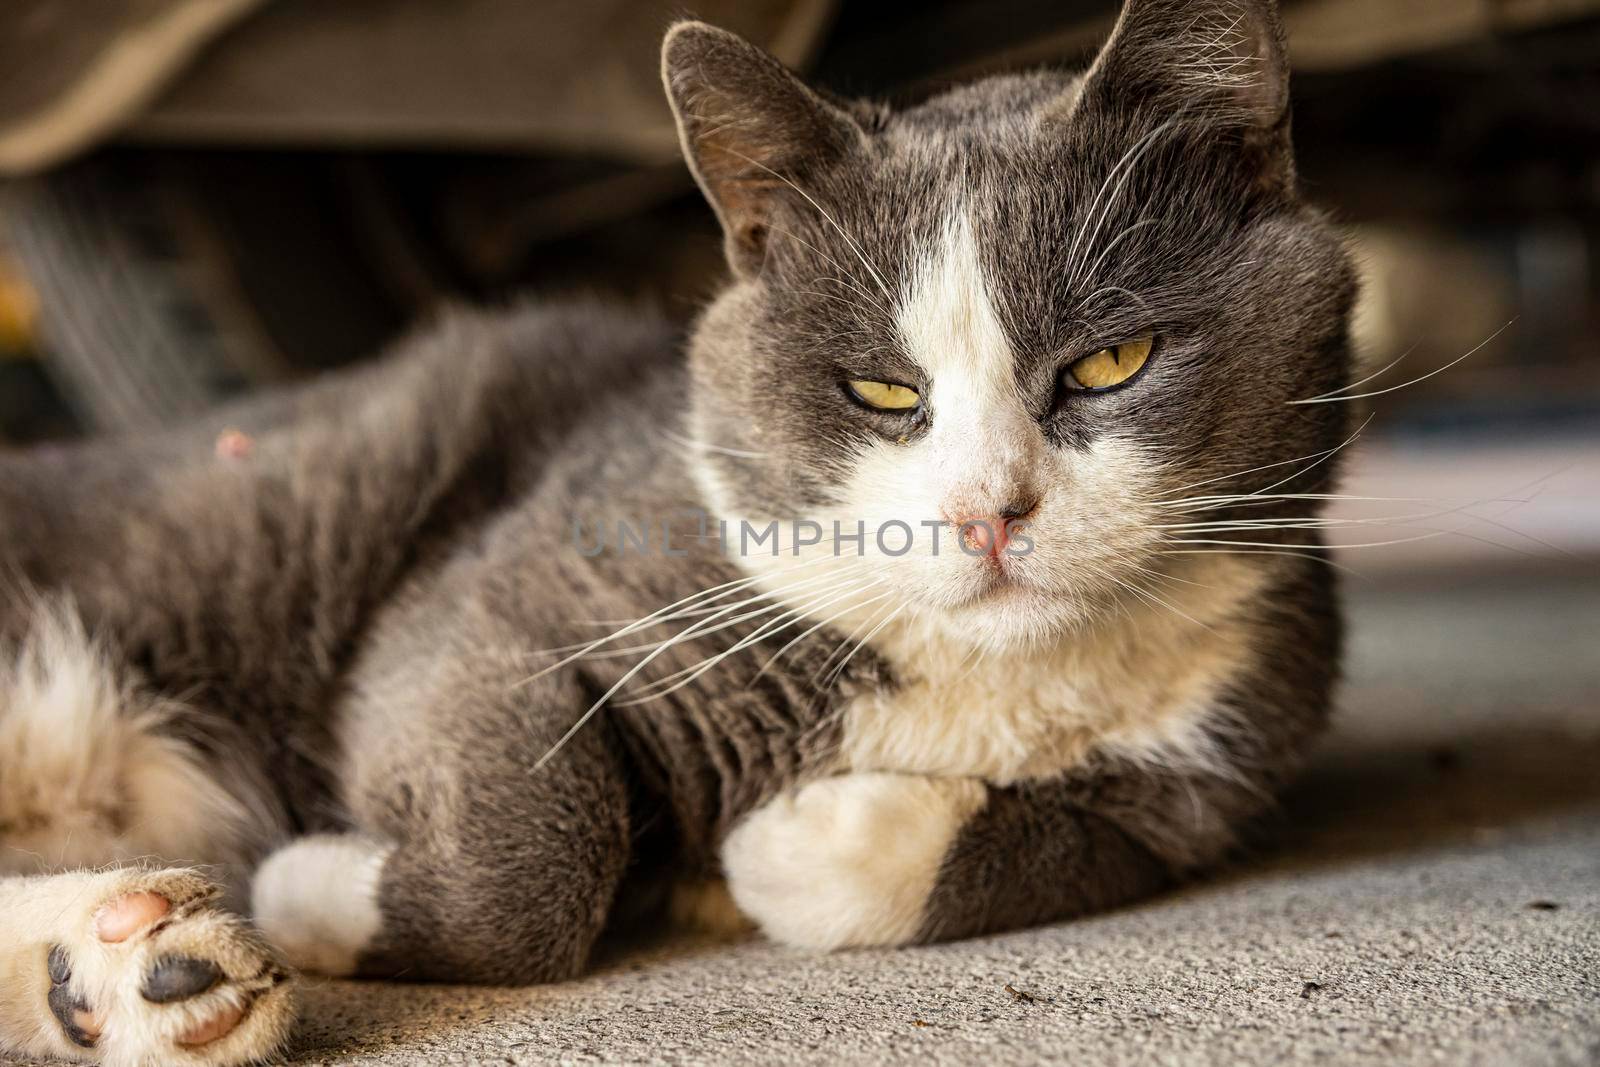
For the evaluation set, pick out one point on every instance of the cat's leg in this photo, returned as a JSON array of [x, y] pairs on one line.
[[875, 859], [135, 968], [470, 863]]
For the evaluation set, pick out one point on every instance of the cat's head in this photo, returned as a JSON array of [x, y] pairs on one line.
[[1068, 300]]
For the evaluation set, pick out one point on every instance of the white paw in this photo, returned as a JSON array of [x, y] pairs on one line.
[[146, 970], [316, 899], [847, 861]]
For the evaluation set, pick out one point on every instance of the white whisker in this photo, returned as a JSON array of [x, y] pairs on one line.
[[1154, 600], [1375, 375], [851, 241], [1329, 398], [1241, 474], [705, 595], [1269, 544], [706, 446], [1098, 210], [685, 635], [834, 675], [1335, 564], [771, 595], [1346, 443], [813, 629], [1203, 503], [681, 678]]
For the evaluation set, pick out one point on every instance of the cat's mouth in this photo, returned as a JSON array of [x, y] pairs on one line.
[[993, 579]]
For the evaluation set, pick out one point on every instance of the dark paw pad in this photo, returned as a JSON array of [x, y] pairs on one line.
[[70, 1010], [179, 978], [60, 966]]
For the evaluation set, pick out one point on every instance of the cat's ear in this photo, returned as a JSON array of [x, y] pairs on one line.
[[748, 126], [1218, 62]]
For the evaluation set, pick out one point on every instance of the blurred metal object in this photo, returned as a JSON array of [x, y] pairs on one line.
[[512, 75], [76, 70]]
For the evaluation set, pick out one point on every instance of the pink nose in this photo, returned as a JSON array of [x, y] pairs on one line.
[[989, 534]]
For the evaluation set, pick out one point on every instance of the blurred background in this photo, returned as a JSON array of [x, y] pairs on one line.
[[200, 197]]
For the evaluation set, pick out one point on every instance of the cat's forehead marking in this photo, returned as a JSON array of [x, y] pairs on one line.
[[949, 326]]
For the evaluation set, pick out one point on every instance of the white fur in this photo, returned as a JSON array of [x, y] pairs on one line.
[[89, 776], [316, 899], [982, 438], [847, 861], [1139, 686]]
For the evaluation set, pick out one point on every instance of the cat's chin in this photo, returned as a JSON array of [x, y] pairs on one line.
[[1005, 613]]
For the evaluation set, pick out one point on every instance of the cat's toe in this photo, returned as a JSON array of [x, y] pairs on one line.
[[59, 966], [213, 1029], [179, 978], [72, 1012], [127, 915]]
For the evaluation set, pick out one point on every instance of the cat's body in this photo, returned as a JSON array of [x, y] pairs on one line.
[[312, 633]]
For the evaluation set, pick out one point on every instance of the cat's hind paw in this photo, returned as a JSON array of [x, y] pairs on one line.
[[146, 970]]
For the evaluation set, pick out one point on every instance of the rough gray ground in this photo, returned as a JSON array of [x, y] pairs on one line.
[[1434, 898]]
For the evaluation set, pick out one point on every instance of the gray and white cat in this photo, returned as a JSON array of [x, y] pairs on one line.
[[308, 637]]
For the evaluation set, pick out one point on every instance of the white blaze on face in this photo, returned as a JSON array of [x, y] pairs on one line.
[[983, 448]]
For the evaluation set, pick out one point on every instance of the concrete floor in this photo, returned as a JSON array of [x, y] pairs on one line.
[[1434, 898]]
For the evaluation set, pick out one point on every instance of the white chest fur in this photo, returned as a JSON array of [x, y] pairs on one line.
[[1139, 685], [853, 858]]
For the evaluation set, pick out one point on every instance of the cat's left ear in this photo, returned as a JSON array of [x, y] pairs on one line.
[[748, 126], [1210, 62]]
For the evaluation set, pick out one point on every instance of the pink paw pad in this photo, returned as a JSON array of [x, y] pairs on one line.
[[126, 916], [219, 1026]]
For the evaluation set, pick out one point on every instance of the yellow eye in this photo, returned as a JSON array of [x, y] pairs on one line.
[[884, 396], [1111, 366]]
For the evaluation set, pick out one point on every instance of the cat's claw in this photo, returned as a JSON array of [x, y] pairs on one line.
[[77, 1022]]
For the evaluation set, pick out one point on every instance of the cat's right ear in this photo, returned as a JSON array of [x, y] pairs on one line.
[[1212, 62], [749, 127]]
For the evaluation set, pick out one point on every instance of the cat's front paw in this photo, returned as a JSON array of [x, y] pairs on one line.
[[847, 861], [146, 969]]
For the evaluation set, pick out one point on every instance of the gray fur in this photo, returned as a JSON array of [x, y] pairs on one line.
[[356, 606]]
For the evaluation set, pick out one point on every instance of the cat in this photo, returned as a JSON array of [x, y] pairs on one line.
[[358, 642]]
